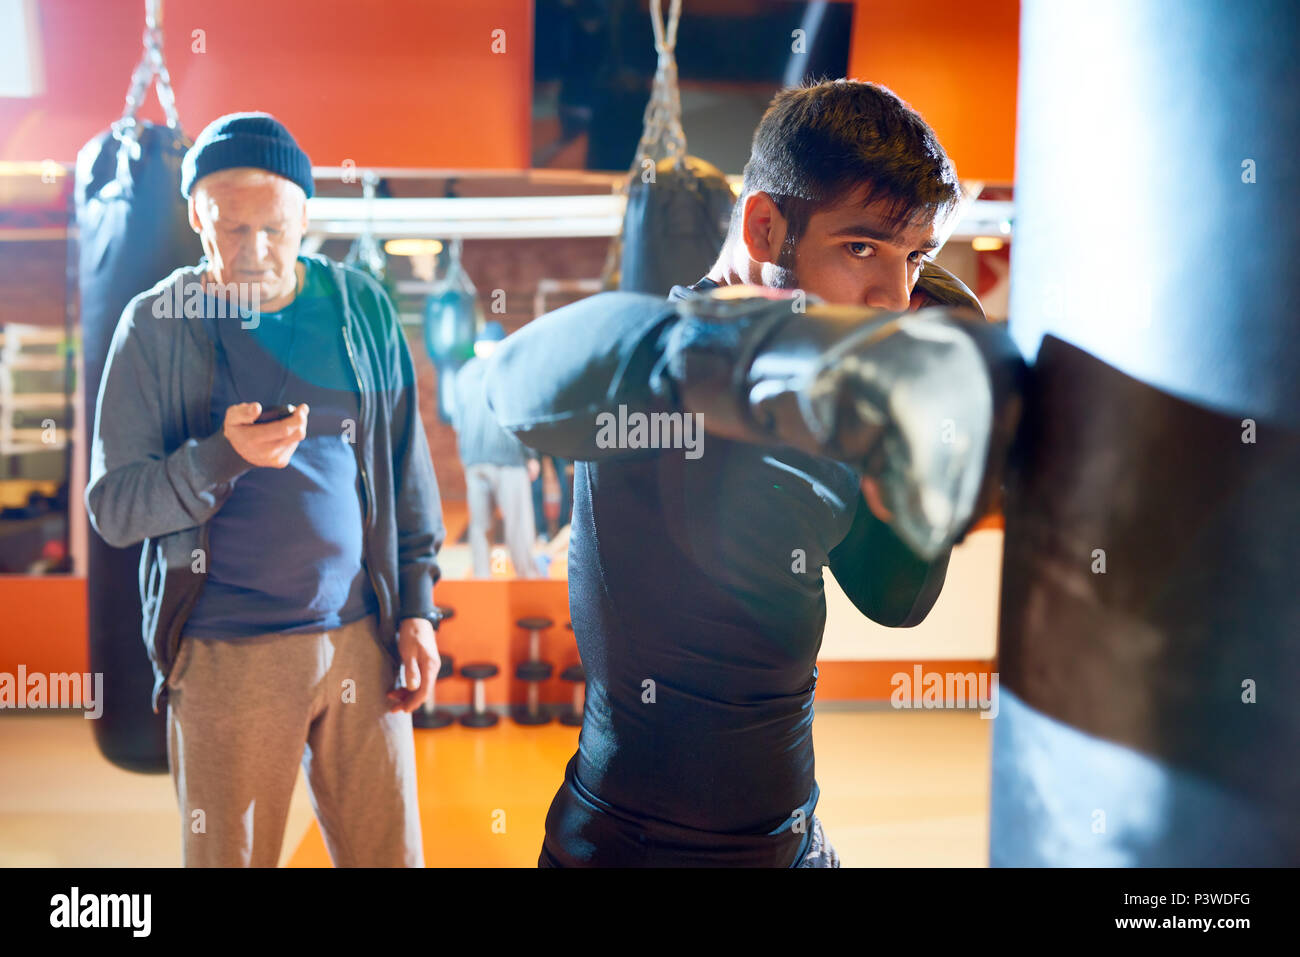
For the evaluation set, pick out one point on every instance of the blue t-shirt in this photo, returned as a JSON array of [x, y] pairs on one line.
[[285, 550]]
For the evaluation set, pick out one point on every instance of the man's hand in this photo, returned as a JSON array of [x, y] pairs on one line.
[[534, 469], [270, 444], [417, 643]]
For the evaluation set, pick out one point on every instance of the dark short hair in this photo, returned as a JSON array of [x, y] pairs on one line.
[[820, 141]]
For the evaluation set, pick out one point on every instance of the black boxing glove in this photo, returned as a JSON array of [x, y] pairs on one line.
[[924, 402]]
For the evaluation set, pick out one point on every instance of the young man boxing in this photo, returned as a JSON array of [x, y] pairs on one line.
[[840, 430]]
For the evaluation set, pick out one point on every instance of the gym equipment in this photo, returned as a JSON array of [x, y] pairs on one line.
[[452, 319], [479, 716], [678, 206], [534, 625], [533, 673], [576, 675], [1148, 609], [133, 230], [366, 253], [430, 716], [674, 227]]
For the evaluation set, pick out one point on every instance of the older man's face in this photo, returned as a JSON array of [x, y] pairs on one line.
[[251, 223]]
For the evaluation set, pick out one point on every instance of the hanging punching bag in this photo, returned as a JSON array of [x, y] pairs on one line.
[[678, 206], [133, 230], [452, 317], [674, 226], [1150, 626]]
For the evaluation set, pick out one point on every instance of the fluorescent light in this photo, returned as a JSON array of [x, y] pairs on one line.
[[413, 247], [986, 244]]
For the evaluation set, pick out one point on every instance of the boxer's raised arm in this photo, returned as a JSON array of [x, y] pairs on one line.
[[926, 403], [882, 576], [551, 381]]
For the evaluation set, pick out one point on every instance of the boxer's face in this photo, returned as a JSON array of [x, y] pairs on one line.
[[251, 223], [846, 255]]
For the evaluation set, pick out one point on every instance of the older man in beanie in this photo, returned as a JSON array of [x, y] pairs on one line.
[[274, 463]]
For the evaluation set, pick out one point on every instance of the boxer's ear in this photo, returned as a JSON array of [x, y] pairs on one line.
[[763, 228]]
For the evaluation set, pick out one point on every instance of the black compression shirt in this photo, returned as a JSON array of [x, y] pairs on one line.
[[695, 589]]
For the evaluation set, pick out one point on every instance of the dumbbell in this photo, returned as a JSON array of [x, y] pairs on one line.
[[533, 672], [429, 716], [535, 625], [575, 674], [479, 716]]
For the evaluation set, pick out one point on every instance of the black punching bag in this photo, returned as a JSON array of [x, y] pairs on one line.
[[678, 206], [1150, 611], [674, 226], [133, 230]]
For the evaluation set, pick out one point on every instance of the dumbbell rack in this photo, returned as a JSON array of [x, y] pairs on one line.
[[532, 670]]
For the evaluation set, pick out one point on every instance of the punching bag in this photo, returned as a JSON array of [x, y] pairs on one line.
[[452, 317], [133, 230], [674, 226], [678, 206], [1150, 620]]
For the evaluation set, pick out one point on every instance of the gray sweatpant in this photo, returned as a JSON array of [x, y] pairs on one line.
[[243, 713], [509, 485]]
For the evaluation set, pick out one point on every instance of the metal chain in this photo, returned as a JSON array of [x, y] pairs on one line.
[[152, 69], [661, 128], [366, 250], [662, 135]]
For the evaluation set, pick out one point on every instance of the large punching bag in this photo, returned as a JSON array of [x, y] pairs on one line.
[[1150, 609], [133, 230], [678, 206], [674, 225]]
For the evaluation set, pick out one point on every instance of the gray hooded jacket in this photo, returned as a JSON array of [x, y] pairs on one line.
[[158, 472]]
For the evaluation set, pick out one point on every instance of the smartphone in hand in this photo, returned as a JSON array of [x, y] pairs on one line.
[[275, 413]]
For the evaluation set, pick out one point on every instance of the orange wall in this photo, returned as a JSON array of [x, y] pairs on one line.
[[43, 624], [397, 83], [956, 62], [414, 82]]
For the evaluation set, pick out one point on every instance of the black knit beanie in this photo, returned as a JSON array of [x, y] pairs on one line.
[[246, 139]]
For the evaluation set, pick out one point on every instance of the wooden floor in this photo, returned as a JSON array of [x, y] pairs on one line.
[[899, 788]]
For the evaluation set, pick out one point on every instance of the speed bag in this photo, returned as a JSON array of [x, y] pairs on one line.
[[674, 226], [133, 230], [450, 327]]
